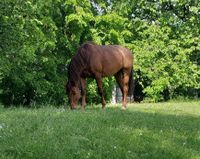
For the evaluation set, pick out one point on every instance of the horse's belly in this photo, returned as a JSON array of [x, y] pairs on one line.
[[110, 61], [111, 69]]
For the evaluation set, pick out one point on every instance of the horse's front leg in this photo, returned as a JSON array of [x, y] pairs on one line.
[[100, 90], [83, 92]]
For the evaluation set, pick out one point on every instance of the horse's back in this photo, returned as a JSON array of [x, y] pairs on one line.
[[117, 53], [107, 59], [106, 52]]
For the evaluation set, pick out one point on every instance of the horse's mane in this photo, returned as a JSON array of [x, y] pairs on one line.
[[78, 62]]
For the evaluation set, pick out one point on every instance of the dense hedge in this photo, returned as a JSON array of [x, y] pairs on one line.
[[38, 39]]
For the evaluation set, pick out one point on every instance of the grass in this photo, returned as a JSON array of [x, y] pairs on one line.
[[143, 131]]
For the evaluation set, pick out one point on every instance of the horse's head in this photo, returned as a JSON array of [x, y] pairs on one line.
[[73, 93]]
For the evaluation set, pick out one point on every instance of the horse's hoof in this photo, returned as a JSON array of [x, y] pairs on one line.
[[104, 108], [123, 108], [73, 109]]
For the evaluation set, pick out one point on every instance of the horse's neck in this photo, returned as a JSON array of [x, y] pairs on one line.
[[76, 81], [75, 75], [77, 67]]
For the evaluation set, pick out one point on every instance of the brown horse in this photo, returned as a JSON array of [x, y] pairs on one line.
[[98, 61]]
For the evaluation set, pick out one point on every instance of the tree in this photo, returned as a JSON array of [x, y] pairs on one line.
[[38, 39]]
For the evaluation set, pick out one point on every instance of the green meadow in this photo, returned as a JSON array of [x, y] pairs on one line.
[[144, 131]]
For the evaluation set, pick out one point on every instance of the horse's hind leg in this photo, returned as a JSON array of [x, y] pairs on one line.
[[122, 78], [100, 90]]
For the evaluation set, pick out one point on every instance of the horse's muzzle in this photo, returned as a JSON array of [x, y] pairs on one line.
[[73, 106]]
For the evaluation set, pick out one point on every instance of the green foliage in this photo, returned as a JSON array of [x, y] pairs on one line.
[[38, 39], [165, 67], [92, 90]]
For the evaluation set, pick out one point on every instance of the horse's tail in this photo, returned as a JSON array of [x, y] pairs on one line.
[[131, 84]]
